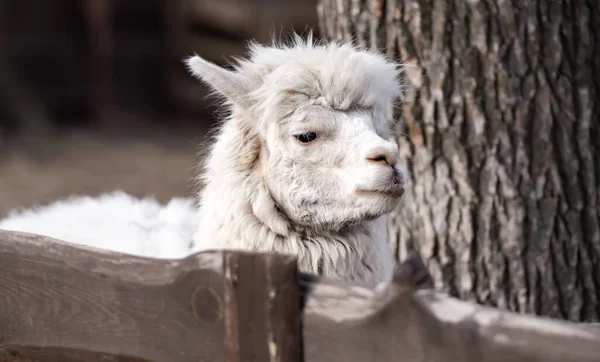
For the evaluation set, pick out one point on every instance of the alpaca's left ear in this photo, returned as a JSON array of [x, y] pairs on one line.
[[230, 84]]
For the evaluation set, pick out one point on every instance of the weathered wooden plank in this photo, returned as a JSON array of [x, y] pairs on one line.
[[396, 322], [262, 308], [54, 295], [49, 354], [59, 302], [73, 301]]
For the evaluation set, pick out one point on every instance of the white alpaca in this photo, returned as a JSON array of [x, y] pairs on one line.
[[303, 164]]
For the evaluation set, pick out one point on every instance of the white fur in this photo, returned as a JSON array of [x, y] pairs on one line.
[[262, 190], [114, 221]]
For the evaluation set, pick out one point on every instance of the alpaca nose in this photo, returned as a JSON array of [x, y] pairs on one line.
[[383, 155]]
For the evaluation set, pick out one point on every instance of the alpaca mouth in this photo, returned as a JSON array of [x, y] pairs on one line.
[[395, 192]]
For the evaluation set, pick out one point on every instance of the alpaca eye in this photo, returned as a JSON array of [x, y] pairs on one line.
[[306, 137]]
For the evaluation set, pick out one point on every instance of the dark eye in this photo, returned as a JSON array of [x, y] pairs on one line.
[[306, 137]]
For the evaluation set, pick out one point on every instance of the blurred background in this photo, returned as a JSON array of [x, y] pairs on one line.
[[94, 95]]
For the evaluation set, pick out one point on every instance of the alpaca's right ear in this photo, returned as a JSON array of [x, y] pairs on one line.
[[230, 84]]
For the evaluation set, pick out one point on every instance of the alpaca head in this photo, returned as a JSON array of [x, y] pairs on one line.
[[317, 118]]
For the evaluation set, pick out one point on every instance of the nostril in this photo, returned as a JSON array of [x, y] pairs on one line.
[[382, 158], [381, 155], [379, 158]]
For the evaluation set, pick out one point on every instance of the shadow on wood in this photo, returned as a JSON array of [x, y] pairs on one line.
[[62, 302]]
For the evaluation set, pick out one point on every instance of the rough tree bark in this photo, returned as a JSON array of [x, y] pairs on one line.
[[502, 109]]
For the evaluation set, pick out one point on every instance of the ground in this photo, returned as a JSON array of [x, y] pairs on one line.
[[156, 162]]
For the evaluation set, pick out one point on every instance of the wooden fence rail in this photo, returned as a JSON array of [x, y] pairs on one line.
[[61, 302]]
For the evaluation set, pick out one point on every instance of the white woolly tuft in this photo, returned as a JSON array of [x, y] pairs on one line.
[[114, 221]]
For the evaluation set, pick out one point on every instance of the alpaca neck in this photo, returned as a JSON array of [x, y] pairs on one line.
[[237, 212]]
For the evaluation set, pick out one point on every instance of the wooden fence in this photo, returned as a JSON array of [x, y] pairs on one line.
[[60, 302]]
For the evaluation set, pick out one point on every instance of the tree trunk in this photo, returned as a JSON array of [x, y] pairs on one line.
[[504, 200]]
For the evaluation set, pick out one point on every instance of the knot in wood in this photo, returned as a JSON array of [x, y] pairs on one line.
[[207, 305]]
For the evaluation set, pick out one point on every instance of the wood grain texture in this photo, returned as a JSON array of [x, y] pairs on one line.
[[501, 104], [62, 302], [262, 302], [51, 354], [71, 300], [394, 323], [54, 295]]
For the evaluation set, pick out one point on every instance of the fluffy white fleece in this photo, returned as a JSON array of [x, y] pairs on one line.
[[114, 221]]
